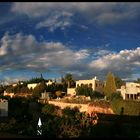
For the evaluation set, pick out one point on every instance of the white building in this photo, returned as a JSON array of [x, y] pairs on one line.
[[94, 83], [32, 86], [131, 91], [49, 82], [8, 94]]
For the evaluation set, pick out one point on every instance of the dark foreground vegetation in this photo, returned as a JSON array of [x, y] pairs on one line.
[[67, 123]]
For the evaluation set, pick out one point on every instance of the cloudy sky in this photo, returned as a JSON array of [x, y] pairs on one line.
[[85, 39]]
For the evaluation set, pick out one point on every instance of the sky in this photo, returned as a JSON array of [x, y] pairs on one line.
[[85, 39]]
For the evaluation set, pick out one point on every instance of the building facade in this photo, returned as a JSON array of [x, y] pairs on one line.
[[8, 94], [94, 83], [131, 91], [49, 82], [32, 86]]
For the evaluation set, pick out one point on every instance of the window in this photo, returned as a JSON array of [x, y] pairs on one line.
[[90, 85], [82, 85], [96, 84]]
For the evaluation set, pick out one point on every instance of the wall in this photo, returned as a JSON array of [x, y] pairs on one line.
[[96, 84], [3, 109], [71, 91], [83, 107]]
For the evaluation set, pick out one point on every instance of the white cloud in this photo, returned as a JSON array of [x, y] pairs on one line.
[[100, 12], [56, 20], [125, 60], [25, 52], [82, 54]]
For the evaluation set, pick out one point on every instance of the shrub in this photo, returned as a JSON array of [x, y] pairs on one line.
[[116, 96], [70, 112], [84, 90], [49, 109]]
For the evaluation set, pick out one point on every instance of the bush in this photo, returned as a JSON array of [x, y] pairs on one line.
[[70, 112], [116, 96], [69, 131], [97, 95], [48, 109], [84, 90]]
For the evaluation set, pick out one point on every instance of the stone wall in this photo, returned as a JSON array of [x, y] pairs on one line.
[[83, 107], [71, 91]]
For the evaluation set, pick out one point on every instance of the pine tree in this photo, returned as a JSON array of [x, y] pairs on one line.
[[110, 86]]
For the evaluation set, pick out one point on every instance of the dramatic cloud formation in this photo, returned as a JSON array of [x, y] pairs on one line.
[[85, 39], [25, 52], [102, 13], [124, 62]]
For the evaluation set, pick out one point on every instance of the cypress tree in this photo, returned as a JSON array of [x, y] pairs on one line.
[[110, 86]]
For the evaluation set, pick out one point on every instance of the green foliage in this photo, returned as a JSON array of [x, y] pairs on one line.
[[137, 81], [49, 109], [110, 86], [39, 89], [10, 89], [119, 82], [19, 88], [70, 112], [36, 80], [69, 80], [116, 96], [129, 107], [2, 89], [69, 131], [17, 107], [97, 95], [84, 90]]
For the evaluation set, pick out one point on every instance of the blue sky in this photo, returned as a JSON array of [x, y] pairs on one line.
[[85, 39]]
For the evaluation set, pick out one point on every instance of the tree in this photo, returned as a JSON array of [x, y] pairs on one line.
[[1, 89], [39, 89], [49, 109], [119, 82], [84, 90], [58, 93], [10, 89], [24, 89], [69, 79], [110, 86], [70, 112], [137, 81]]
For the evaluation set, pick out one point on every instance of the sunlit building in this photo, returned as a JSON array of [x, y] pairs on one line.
[[94, 83], [32, 86], [130, 91]]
